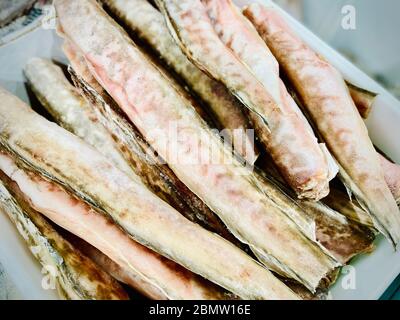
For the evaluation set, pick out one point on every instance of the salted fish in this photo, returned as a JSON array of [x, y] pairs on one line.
[[103, 131], [147, 23], [76, 277], [148, 272], [67, 160], [327, 100], [279, 124], [224, 184]]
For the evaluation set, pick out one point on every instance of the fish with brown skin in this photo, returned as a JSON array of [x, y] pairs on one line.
[[147, 23], [76, 276], [327, 100], [86, 120], [197, 156], [279, 125], [65, 159]]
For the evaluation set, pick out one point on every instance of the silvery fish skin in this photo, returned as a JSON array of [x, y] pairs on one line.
[[76, 276], [152, 170], [70, 110], [148, 24], [280, 126], [148, 272], [328, 101], [224, 184], [67, 160]]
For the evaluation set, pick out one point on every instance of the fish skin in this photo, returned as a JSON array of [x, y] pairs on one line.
[[148, 272], [342, 235], [76, 276], [70, 110], [67, 160], [148, 24], [80, 117], [78, 64], [329, 103], [116, 271], [153, 171], [227, 187], [298, 156]]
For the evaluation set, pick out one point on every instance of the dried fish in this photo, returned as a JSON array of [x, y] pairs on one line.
[[281, 127], [67, 160], [70, 110], [327, 99], [76, 276], [341, 235], [76, 115], [142, 19], [195, 153], [149, 272]]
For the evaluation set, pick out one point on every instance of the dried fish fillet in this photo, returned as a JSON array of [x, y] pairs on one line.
[[197, 155], [147, 23], [281, 128], [65, 159], [148, 271], [327, 99], [76, 276]]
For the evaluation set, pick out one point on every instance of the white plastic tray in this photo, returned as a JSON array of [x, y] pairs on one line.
[[372, 274]]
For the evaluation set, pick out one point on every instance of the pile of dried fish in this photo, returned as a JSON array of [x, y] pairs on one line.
[[330, 106], [152, 195]]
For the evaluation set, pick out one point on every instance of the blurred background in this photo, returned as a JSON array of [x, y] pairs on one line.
[[369, 39]]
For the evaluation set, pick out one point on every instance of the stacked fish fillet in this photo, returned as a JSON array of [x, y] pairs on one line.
[[132, 179]]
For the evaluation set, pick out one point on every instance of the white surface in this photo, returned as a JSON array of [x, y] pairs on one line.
[[374, 272]]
